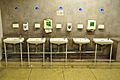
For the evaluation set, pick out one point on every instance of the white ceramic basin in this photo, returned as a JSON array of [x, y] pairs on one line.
[[13, 40], [36, 40], [58, 41], [102, 41], [81, 40]]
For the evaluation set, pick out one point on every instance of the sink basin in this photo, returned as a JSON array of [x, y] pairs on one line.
[[13, 40], [36, 40], [102, 41], [81, 40], [58, 41]]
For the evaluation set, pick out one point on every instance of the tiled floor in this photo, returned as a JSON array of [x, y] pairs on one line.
[[102, 71]]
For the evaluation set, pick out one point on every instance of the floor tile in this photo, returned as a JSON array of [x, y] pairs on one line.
[[107, 74], [78, 74], [46, 74], [14, 74], [58, 71]]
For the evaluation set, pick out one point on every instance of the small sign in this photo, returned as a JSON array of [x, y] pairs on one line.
[[60, 13]]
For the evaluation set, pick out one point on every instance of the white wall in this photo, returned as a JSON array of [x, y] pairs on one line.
[[1, 35]]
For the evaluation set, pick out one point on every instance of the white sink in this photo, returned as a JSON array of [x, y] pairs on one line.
[[81, 40], [13, 40], [58, 41], [36, 40], [102, 41]]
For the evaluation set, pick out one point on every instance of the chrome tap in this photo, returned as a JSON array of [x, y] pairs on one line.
[[20, 36], [108, 35], [85, 35]]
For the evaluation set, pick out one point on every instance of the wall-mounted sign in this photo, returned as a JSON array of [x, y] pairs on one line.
[[60, 12]]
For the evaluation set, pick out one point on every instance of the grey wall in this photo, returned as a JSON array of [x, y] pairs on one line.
[[1, 36], [47, 9]]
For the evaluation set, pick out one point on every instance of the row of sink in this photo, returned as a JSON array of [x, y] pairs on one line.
[[58, 41]]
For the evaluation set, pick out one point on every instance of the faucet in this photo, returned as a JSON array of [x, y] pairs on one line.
[[20, 36], [85, 35], [108, 35], [65, 36], [43, 36]]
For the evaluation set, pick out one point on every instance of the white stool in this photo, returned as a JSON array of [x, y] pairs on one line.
[[102, 41], [36, 41], [58, 41], [13, 41]]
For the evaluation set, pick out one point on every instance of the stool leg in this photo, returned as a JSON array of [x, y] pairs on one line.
[[14, 48], [36, 48], [80, 46], [28, 54], [21, 53], [43, 53], [51, 53], [58, 48], [66, 55], [95, 54], [111, 53], [5, 54]]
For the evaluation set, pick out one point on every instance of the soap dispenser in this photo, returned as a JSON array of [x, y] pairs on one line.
[[69, 26], [25, 26]]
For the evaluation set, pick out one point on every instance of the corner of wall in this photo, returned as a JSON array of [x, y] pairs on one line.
[[1, 36]]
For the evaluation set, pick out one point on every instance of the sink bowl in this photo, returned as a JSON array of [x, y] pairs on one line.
[[36, 40], [102, 41], [13, 40], [81, 40], [58, 41]]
